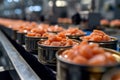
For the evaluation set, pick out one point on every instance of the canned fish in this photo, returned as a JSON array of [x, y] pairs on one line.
[[31, 44], [89, 68]]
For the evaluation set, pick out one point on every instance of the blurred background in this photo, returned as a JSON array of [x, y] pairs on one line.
[[91, 12], [33, 9]]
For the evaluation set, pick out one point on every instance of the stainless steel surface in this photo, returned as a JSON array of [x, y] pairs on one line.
[[31, 44], [46, 54], [66, 70], [22, 68]]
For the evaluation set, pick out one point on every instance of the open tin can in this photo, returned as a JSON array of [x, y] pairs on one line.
[[21, 38], [110, 44], [70, 71], [31, 44], [46, 54], [107, 44]]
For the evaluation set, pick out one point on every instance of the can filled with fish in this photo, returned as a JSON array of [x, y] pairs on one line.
[[73, 64], [31, 44]]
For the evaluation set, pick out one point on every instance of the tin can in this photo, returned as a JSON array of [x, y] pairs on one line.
[[70, 71], [46, 54], [110, 44], [31, 44], [21, 38], [107, 44]]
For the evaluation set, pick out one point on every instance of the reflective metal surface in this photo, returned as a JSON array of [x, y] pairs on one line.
[[46, 54], [22, 68], [67, 70], [31, 44]]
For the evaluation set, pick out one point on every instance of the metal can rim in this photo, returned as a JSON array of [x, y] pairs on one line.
[[86, 66]]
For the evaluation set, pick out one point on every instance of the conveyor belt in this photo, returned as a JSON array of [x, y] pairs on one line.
[[23, 70]]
